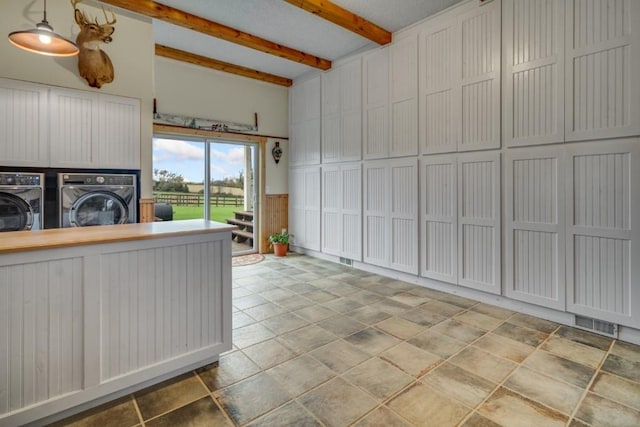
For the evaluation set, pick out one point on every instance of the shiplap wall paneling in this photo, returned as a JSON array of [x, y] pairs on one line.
[[439, 86], [74, 128], [331, 209], [603, 219], [168, 310], [375, 75], [439, 224], [403, 74], [23, 124], [305, 122], [118, 145], [479, 221], [534, 254], [602, 68], [533, 77], [351, 214], [376, 199], [403, 175], [480, 32], [41, 332]]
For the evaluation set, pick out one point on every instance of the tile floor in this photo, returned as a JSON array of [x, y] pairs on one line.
[[316, 343]]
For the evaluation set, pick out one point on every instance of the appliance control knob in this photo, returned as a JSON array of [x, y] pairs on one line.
[[100, 180]]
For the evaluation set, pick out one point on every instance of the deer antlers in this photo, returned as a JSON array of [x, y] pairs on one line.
[[81, 14]]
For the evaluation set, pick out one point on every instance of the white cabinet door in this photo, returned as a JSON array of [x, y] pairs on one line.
[[403, 72], [331, 210], [376, 212], [602, 68], [439, 223], [603, 219], [305, 122], [351, 214], [42, 331], [440, 106], [480, 51], [534, 255], [391, 214], [118, 143], [403, 215], [342, 113], [304, 207], [74, 128], [533, 72], [23, 124], [479, 221], [375, 70]]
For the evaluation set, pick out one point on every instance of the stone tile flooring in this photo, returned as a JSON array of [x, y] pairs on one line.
[[316, 343]]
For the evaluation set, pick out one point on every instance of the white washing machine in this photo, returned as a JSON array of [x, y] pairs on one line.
[[88, 199], [21, 201]]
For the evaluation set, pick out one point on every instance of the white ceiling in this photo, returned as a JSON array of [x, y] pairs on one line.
[[290, 26]]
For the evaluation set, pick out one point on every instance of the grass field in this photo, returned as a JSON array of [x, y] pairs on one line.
[[218, 213]]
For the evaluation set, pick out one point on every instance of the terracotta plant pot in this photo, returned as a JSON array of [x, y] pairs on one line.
[[280, 249]]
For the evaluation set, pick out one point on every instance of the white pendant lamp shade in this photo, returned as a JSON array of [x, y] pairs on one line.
[[43, 40]]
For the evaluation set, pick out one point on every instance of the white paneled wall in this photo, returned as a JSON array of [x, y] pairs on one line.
[[168, 310], [439, 222], [479, 221], [602, 263], [342, 210], [23, 124], [548, 225], [41, 332], [534, 223]]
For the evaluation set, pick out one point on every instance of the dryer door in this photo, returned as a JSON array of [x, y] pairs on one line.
[[15, 213], [98, 208]]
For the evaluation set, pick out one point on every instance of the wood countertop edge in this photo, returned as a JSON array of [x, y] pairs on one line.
[[23, 241]]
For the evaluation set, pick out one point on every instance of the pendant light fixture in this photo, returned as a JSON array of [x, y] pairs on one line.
[[43, 40]]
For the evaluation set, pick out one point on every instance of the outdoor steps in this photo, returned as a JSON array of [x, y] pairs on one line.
[[244, 221]]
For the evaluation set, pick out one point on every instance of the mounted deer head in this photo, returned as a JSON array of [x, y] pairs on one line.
[[93, 63]]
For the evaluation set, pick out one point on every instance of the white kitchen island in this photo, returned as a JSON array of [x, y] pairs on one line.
[[91, 314]]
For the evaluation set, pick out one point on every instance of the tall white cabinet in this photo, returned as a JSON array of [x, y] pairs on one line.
[[305, 122], [304, 206]]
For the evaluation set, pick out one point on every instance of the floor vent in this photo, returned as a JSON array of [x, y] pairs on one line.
[[346, 261], [597, 326]]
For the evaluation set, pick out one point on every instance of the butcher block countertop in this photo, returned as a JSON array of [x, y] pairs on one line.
[[18, 241]]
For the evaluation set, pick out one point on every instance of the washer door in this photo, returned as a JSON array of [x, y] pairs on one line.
[[98, 208], [15, 213]]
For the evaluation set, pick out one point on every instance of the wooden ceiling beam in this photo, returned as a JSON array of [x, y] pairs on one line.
[[344, 18], [192, 58], [196, 23]]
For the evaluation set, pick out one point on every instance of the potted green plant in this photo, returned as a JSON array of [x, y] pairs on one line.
[[280, 241]]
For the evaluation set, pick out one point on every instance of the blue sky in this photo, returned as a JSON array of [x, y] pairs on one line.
[[186, 158]]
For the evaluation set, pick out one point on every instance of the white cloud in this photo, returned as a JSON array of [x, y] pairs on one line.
[[234, 156], [165, 149]]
